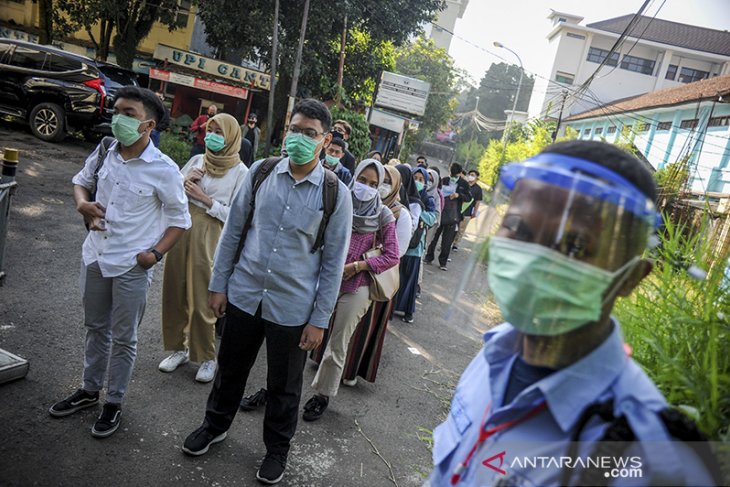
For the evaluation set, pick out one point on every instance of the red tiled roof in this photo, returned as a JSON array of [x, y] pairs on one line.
[[691, 92], [671, 33]]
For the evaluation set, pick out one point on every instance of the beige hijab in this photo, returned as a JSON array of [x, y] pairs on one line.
[[218, 164], [392, 201]]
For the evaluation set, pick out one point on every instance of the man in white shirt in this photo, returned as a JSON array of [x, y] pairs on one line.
[[138, 213]]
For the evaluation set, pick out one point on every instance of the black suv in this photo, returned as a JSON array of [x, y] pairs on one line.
[[56, 91]]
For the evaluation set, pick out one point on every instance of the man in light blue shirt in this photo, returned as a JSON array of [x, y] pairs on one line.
[[280, 289], [537, 404]]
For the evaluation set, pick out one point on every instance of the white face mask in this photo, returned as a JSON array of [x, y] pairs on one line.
[[471, 179], [384, 190], [364, 192]]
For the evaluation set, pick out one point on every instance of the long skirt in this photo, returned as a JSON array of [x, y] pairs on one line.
[[366, 344], [405, 299]]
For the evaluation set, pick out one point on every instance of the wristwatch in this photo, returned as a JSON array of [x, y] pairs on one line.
[[157, 253]]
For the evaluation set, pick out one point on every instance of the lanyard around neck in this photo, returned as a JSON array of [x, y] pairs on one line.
[[485, 434]]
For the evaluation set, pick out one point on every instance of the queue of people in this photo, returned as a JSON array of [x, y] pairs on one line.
[[294, 230]]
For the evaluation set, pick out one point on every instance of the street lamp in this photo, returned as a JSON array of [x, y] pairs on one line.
[[517, 95]]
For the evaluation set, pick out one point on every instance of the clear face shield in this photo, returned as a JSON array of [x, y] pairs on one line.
[[559, 239]]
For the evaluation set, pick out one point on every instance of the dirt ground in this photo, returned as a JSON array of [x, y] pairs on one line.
[[372, 434]]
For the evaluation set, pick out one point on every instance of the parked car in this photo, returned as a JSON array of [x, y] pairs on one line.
[[56, 91]]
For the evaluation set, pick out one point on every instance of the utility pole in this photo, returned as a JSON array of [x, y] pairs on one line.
[[272, 87], [471, 142], [341, 67], [560, 115], [297, 66]]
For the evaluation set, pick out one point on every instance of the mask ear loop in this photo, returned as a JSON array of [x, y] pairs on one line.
[[626, 269]]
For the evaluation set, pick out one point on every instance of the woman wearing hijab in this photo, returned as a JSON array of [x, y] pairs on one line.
[[434, 183], [372, 223], [409, 194], [405, 300], [366, 344], [211, 182]]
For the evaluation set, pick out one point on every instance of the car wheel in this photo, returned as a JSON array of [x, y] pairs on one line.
[[47, 122]]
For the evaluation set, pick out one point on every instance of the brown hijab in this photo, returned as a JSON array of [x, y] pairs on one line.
[[392, 201], [218, 164]]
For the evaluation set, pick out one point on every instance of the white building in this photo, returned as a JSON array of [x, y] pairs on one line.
[[446, 20], [666, 55]]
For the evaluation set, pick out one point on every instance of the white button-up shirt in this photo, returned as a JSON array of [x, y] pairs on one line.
[[221, 190], [143, 196]]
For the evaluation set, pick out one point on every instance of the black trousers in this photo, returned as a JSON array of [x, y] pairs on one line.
[[447, 232], [242, 337]]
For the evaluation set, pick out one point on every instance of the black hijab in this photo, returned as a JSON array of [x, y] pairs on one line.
[[408, 189]]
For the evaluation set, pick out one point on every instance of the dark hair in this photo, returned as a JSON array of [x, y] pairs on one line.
[[347, 126], [456, 169], [340, 142], [152, 105], [611, 157], [316, 110], [474, 171], [421, 157]]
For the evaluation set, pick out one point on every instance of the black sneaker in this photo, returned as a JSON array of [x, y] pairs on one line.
[[75, 402], [454, 248], [198, 442], [108, 422], [444, 268], [254, 401], [407, 318], [315, 407], [428, 261], [272, 468]]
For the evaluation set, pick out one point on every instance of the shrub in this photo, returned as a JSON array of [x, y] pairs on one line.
[[359, 142], [175, 148]]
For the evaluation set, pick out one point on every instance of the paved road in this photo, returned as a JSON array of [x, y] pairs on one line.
[[41, 320]]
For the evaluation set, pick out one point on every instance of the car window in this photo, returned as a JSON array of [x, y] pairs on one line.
[[57, 63], [118, 77], [5, 53], [25, 57]]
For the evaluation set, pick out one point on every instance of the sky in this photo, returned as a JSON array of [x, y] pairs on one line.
[[522, 25]]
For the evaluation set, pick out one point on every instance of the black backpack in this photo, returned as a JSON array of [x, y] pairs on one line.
[[329, 202]]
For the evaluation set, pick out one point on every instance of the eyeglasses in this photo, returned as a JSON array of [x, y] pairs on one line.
[[311, 133]]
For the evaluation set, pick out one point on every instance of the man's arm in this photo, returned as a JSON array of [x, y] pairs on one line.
[[83, 181], [336, 244]]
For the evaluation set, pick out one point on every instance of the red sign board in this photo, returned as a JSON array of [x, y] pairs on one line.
[[201, 84]]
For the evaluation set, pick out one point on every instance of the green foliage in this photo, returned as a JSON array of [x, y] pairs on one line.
[[672, 177], [175, 148], [359, 142], [525, 141], [679, 328], [469, 153], [421, 59]]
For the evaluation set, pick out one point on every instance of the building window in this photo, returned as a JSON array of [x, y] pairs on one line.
[[586, 132], [611, 129], [719, 122], [643, 127], [576, 36], [183, 12], [689, 124], [671, 72], [637, 64], [689, 75], [599, 130], [597, 55], [664, 126], [565, 78], [562, 19]]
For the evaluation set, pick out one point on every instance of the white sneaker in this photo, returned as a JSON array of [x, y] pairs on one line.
[[174, 361], [206, 372], [350, 383]]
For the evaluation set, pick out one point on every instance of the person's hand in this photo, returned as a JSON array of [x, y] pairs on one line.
[[454, 196], [195, 175], [349, 271], [217, 302], [311, 337], [91, 209], [194, 191], [146, 260]]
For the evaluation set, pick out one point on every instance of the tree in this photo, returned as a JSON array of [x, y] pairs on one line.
[[130, 21], [45, 21], [359, 142], [496, 92], [421, 59]]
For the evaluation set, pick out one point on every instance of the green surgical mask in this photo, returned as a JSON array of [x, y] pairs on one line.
[[126, 129], [301, 149], [332, 161], [542, 292], [419, 186], [214, 141]]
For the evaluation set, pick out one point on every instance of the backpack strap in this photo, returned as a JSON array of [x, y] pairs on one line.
[[262, 172], [330, 188], [106, 142]]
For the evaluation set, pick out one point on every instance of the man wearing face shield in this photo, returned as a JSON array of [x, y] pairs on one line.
[[564, 237]]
